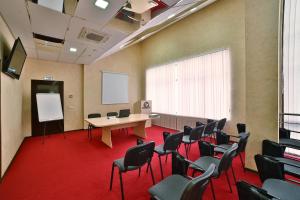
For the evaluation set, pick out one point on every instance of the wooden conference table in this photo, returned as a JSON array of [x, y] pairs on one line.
[[137, 121]]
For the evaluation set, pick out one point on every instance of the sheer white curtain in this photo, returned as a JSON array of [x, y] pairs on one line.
[[291, 65], [196, 87]]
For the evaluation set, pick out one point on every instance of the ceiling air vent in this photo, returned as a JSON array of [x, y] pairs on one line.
[[91, 35]]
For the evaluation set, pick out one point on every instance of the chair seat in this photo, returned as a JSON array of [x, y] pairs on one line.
[[170, 188], [204, 162], [282, 189], [160, 150], [291, 170], [120, 164], [186, 140], [293, 143], [222, 148]]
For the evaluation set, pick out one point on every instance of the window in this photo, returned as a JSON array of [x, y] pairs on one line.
[[196, 87], [291, 67]]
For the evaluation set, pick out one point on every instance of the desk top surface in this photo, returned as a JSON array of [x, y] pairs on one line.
[[104, 121]]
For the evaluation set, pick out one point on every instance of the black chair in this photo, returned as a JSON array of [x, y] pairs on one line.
[[247, 191], [221, 124], [171, 143], [276, 151], [268, 168], [241, 128], [271, 173], [286, 140], [124, 113], [112, 114], [194, 136], [209, 129], [90, 126], [222, 165], [177, 187], [242, 143], [135, 158]]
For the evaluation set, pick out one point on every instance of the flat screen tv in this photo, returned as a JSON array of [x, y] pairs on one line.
[[13, 65]]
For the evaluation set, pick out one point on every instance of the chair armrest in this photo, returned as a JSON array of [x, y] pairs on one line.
[[193, 163], [235, 136]]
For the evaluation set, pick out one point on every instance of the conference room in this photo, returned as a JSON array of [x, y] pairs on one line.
[[149, 99]]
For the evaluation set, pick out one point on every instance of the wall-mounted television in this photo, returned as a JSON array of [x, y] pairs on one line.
[[13, 65]]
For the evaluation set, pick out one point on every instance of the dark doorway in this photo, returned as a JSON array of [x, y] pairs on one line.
[[43, 86]]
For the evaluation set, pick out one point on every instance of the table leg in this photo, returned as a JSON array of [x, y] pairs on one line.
[[139, 130], [106, 136]]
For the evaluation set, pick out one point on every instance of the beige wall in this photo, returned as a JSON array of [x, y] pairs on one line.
[[220, 25], [262, 23], [126, 61], [11, 106], [71, 74]]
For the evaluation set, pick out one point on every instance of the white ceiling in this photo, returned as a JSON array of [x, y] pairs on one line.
[[52, 23]]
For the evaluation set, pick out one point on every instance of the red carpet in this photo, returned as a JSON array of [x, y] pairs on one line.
[[74, 168]]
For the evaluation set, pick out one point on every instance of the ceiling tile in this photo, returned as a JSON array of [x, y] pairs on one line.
[[47, 55], [48, 22], [87, 10]]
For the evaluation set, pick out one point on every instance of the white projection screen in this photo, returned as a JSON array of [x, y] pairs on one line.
[[114, 88]]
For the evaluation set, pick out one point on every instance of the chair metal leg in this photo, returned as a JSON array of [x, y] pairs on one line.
[[233, 174], [121, 184], [147, 168], [112, 176], [139, 171], [212, 189], [152, 176], [228, 181], [161, 171], [243, 164], [166, 158]]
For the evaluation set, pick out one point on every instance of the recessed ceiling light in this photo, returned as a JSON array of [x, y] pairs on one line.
[[143, 37], [72, 49], [171, 16], [123, 45], [101, 4], [193, 9]]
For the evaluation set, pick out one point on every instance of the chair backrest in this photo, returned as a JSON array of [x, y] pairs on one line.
[[195, 188], [241, 128], [179, 164], [173, 141], [94, 115], [198, 123], [227, 158], [268, 168], [187, 130], [221, 124], [242, 142], [222, 138], [270, 148], [124, 113], [112, 114], [284, 133], [247, 191], [205, 148], [139, 155], [210, 120], [196, 133], [209, 128]]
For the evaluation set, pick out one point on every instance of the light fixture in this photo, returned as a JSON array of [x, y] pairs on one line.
[[123, 45], [143, 37], [101, 4], [72, 49], [171, 16]]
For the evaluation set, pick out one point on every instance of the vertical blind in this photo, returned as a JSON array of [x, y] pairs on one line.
[[196, 87], [291, 65]]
